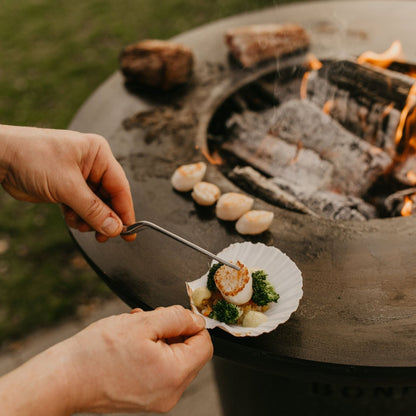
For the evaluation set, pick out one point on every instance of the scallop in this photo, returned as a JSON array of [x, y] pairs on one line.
[[233, 205], [254, 222], [205, 193], [236, 286], [186, 176], [254, 318]]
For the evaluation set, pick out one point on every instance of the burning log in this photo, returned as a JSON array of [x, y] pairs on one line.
[[256, 183], [253, 44], [156, 63], [298, 141], [273, 156], [301, 198], [364, 99], [356, 163], [401, 203]]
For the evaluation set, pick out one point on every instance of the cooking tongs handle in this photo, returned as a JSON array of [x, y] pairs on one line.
[[134, 228]]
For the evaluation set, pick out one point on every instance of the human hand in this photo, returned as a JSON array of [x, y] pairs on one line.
[[73, 169], [139, 362]]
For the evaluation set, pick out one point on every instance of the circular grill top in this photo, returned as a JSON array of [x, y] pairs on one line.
[[357, 315]]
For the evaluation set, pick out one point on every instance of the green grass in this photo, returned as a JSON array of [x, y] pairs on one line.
[[53, 55]]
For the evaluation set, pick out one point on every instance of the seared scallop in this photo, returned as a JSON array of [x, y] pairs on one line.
[[236, 286], [205, 193], [233, 205], [254, 222], [186, 176]]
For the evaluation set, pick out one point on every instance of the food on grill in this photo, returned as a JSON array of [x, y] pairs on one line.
[[235, 297], [254, 222], [186, 177], [252, 44], [157, 63], [205, 193], [233, 205], [235, 285]]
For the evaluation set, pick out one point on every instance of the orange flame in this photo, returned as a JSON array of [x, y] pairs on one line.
[[328, 106], [383, 60], [410, 104], [212, 158], [411, 176], [313, 63], [407, 207]]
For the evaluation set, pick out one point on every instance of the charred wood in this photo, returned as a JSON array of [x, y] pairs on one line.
[[372, 117], [301, 198], [356, 163], [395, 203], [156, 63]]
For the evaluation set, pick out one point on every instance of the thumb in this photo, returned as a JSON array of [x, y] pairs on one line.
[[175, 321], [94, 211]]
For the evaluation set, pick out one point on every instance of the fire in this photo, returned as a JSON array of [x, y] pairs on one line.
[[313, 63], [407, 206], [410, 105], [411, 176], [383, 60], [212, 158]]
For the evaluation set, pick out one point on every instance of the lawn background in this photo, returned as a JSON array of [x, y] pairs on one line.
[[53, 55]]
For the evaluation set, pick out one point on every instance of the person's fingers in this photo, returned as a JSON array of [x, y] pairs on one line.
[[92, 209], [193, 353], [174, 321]]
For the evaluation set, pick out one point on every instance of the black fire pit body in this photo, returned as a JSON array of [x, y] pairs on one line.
[[350, 346]]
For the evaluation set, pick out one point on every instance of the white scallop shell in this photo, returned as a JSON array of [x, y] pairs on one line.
[[283, 274]]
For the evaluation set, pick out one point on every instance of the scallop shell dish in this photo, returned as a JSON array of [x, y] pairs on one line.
[[261, 267]]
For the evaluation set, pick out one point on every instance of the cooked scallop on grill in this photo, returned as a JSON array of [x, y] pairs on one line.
[[233, 205], [186, 176], [254, 222], [236, 286], [205, 193]]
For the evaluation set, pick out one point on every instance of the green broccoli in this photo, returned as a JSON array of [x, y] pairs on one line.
[[211, 282], [225, 312], [263, 291]]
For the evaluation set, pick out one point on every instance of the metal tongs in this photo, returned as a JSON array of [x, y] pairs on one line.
[[140, 225]]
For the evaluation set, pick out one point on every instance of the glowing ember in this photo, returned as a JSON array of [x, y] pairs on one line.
[[407, 207], [313, 63], [411, 176], [383, 60], [213, 158]]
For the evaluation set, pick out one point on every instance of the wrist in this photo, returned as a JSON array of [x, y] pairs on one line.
[[6, 152], [41, 386]]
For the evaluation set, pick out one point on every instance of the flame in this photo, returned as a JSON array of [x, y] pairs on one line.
[[328, 106], [410, 104], [411, 176], [213, 158], [383, 60], [313, 63], [407, 206]]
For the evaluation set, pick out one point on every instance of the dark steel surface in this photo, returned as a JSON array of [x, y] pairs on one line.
[[357, 317]]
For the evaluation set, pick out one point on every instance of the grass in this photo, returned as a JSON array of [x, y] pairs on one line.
[[54, 54]]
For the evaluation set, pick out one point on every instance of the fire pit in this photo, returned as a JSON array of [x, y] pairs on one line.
[[351, 342]]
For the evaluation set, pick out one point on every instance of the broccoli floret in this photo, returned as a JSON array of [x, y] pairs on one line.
[[225, 312], [211, 282], [263, 291]]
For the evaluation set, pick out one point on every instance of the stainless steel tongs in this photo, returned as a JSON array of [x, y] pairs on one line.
[[140, 225]]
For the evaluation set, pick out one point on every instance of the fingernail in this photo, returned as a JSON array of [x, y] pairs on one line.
[[110, 226], [199, 320]]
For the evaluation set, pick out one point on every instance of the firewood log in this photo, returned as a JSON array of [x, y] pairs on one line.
[[253, 44], [157, 63]]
